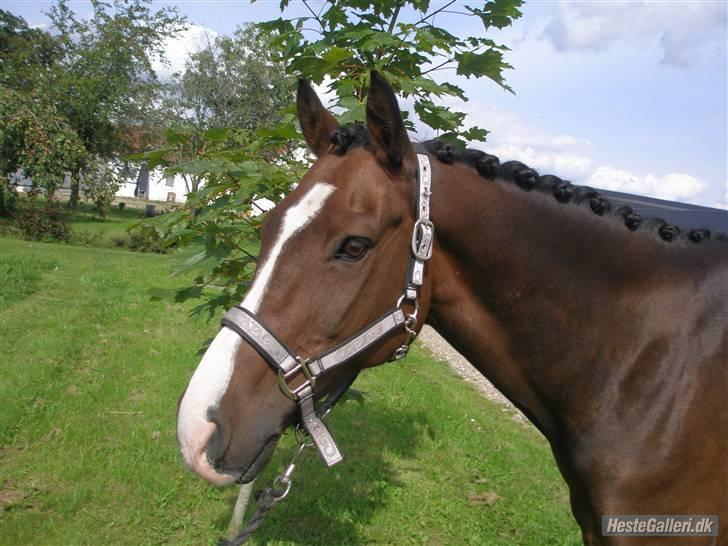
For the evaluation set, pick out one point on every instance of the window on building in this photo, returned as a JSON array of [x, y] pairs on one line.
[[169, 181]]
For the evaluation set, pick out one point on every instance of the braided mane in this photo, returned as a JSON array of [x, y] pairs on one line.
[[489, 166]]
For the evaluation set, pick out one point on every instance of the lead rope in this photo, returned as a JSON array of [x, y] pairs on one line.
[[268, 498]]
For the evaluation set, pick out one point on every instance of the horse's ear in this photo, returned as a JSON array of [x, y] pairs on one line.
[[317, 123], [386, 128]]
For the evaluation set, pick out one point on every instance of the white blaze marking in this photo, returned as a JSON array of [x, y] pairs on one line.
[[211, 378], [296, 218], [206, 388]]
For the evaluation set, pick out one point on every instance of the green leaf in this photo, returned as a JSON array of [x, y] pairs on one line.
[[310, 67], [216, 134], [334, 16], [438, 117], [453, 139], [489, 63], [153, 158], [353, 110], [377, 40], [498, 13], [475, 134], [336, 54], [175, 136]]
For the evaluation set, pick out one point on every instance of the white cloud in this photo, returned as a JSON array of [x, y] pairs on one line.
[[325, 93], [513, 139], [573, 158], [178, 49], [686, 32], [564, 165], [673, 186]]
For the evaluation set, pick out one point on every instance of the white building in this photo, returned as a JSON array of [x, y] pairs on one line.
[[156, 187], [137, 182]]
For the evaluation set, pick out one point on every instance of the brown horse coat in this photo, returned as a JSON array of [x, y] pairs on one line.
[[608, 331]]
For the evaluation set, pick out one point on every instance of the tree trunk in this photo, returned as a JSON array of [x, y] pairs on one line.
[[74, 200], [4, 198]]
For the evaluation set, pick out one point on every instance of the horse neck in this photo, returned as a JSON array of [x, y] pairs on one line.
[[526, 288]]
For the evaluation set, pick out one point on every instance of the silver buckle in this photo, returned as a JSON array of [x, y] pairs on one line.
[[423, 235], [283, 379]]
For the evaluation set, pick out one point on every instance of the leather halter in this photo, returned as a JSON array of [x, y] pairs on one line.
[[292, 368]]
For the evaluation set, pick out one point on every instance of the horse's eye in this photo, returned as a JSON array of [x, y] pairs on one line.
[[353, 249]]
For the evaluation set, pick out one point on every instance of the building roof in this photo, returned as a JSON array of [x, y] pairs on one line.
[[682, 215]]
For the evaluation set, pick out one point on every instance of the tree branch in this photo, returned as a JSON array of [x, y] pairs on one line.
[[394, 18], [248, 254], [315, 15], [438, 67], [458, 13], [443, 8]]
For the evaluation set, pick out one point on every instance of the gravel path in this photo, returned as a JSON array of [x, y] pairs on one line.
[[444, 351]]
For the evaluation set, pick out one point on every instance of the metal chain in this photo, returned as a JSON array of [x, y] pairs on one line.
[[269, 497], [410, 323]]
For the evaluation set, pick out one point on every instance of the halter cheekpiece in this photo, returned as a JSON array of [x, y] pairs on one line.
[[302, 372]]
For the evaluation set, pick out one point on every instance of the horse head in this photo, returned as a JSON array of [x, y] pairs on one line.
[[334, 257]]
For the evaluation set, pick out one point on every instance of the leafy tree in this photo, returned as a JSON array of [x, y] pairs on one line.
[[338, 45], [218, 228], [232, 82], [35, 137], [105, 84], [33, 134], [345, 40], [101, 182], [27, 53], [87, 80]]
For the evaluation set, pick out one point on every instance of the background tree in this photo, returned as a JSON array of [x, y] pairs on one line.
[[338, 46], [27, 53], [32, 133], [35, 137], [105, 84], [93, 75], [232, 82], [228, 102]]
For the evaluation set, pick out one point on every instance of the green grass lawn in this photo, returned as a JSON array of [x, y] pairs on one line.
[[87, 228], [91, 374]]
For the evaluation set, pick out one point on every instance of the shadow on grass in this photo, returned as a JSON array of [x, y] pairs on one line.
[[88, 217], [330, 505]]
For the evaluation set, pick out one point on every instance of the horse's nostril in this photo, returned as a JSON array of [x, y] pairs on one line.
[[219, 441]]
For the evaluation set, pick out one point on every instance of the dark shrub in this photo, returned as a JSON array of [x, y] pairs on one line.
[[141, 241], [47, 222]]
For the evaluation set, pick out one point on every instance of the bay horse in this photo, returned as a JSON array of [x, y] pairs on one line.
[[606, 329]]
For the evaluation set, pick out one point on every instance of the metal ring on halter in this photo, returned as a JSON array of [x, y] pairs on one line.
[[414, 301], [285, 481], [410, 321], [303, 362], [284, 377], [283, 385]]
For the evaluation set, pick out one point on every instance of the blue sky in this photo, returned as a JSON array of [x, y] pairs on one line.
[[627, 95]]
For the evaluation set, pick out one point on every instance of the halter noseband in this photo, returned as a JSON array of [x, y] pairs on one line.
[[291, 368]]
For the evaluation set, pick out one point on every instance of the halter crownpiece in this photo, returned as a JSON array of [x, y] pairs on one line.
[[297, 375]]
